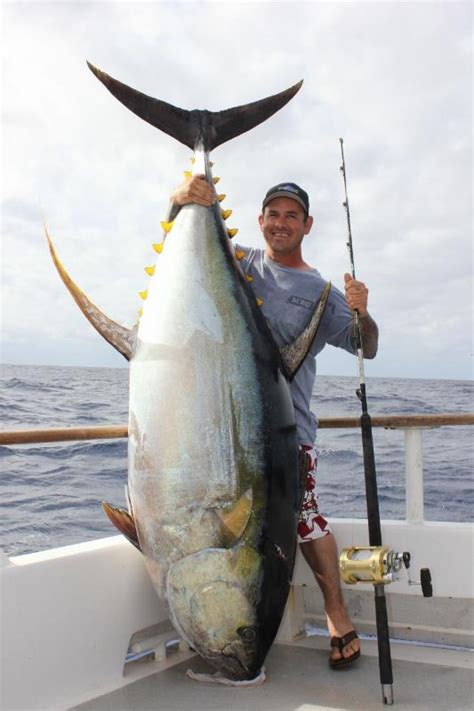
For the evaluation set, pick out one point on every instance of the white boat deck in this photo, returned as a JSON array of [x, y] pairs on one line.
[[299, 679]]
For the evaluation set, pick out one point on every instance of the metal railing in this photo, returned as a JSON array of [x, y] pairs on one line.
[[413, 426]]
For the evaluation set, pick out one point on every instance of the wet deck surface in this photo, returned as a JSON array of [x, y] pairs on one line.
[[299, 679]]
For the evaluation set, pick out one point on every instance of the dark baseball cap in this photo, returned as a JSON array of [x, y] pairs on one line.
[[289, 190]]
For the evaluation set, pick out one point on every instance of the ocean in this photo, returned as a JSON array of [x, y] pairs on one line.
[[51, 494]]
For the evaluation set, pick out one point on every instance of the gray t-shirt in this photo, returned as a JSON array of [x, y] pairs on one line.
[[289, 297]]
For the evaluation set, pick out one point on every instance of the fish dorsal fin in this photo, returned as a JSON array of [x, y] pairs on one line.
[[294, 354], [234, 519], [121, 338], [123, 521], [196, 127]]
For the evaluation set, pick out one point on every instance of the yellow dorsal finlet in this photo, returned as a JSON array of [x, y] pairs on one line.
[[248, 277], [187, 173], [215, 180], [239, 254], [225, 214], [140, 313], [221, 197], [143, 294], [232, 232], [158, 247], [150, 270], [166, 226], [259, 301]]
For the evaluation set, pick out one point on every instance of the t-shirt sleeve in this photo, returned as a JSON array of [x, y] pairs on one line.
[[240, 247], [244, 254]]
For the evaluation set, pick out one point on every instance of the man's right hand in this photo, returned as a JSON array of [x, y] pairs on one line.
[[195, 189]]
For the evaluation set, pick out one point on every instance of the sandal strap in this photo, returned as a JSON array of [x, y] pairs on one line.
[[341, 642]]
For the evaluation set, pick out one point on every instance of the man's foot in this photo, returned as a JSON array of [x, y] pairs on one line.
[[321, 555], [345, 645], [344, 650]]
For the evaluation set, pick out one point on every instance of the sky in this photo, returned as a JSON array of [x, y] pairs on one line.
[[392, 78]]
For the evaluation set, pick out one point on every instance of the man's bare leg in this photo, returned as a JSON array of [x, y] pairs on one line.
[[321, 556]]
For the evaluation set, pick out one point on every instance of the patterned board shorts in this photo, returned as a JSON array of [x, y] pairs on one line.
[[311, 524]]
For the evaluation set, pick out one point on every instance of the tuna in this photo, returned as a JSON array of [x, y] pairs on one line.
[[213, 480]]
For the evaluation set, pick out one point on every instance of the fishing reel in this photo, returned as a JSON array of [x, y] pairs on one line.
[[379, 565]]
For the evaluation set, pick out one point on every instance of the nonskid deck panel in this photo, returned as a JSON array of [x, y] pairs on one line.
[[299, 679]]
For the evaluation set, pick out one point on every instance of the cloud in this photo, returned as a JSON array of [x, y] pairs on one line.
[[394, 79]]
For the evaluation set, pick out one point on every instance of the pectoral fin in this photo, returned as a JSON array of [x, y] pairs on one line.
[[121, 338], [124, 522], [294, 354], [234, 520]]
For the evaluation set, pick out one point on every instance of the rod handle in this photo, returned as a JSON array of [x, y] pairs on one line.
[[383, 638]]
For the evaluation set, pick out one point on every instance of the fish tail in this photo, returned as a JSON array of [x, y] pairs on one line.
[[206, 129]]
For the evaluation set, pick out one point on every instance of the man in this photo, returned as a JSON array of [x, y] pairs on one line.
[[289, 289]]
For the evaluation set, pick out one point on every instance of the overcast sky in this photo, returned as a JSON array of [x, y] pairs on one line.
[[394, 79]]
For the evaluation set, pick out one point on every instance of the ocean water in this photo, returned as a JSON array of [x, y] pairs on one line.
[[50, 494]]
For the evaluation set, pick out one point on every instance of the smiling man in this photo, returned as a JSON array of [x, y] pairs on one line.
[[284, 222], [288, 289]]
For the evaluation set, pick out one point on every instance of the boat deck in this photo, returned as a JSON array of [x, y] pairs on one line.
[[299, 679]]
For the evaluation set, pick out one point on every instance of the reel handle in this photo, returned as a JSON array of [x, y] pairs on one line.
[[425, 581]]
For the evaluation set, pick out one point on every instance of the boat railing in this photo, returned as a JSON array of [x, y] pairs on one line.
[[412, 425]]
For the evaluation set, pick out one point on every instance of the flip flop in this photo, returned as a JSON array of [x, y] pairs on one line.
[[340, 643]]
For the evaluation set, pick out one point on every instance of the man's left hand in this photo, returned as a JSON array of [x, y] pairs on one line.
[[356, 295]]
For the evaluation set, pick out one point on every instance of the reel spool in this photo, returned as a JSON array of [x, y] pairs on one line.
[[379, 565]]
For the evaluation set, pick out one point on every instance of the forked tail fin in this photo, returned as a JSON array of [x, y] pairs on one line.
[[196, 128]]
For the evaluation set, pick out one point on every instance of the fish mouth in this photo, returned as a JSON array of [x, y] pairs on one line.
[[230, 663], [238, 666], [234, 668]]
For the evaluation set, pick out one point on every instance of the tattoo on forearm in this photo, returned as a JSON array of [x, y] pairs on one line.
[[370, 336]]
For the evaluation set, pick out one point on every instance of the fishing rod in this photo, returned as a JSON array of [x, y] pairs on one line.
[[374, 563], [375, 532], [373, 512]]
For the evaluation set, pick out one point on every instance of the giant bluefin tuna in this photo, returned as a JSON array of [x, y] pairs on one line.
[[213, 456]]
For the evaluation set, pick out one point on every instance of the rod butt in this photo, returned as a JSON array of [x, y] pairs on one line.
[[387, 694]]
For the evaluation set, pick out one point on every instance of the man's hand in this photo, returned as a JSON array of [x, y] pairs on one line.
[[196, 190], [356, 295]]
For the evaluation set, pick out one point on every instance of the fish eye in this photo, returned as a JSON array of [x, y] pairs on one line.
[[248, 634]]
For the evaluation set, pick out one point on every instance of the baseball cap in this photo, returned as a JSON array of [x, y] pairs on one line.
[[289, 190]]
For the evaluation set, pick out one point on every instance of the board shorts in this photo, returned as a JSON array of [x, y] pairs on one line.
[[311, 525]]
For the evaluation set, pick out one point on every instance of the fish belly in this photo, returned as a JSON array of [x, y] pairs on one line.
[[195, 442]]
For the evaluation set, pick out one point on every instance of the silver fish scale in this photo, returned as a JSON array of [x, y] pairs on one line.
[[195, 408]]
